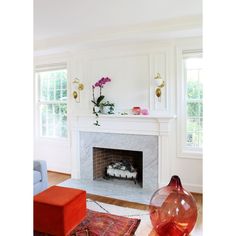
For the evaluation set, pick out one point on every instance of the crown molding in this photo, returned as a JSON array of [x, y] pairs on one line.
[[189, 26]]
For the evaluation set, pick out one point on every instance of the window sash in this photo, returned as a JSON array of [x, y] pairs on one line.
[[53, 121], [51, 85], [196, 134], [52, 124]]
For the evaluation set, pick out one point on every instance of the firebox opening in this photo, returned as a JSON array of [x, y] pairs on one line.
[[128, 160]]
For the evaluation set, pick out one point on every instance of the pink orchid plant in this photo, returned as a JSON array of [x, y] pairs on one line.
[[99, 84]]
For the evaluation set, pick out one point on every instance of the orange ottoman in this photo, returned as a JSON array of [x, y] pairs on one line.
[[58, 210]]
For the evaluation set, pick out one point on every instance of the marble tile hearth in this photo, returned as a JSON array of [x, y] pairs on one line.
[[114, 188]]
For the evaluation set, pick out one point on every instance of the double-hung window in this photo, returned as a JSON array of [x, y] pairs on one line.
[[191, 103], [52, 102]]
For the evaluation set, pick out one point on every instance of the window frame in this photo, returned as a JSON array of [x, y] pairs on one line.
[[183, 151], [38, 102]]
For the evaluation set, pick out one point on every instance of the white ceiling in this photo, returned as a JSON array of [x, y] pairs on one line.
[[60, 18]]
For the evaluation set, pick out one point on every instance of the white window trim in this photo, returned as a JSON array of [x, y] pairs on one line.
[[41, 68], [182, 151]]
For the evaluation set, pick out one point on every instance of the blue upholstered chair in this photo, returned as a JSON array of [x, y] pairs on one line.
[[40, 176]]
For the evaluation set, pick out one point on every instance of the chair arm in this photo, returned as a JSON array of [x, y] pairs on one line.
[[41, 166]]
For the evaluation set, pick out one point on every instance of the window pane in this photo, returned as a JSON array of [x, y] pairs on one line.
[[58, 84], [44, 94], [192, 139], [51, 84], [193, 91], [58, 94], [43, 118], [51, 94], [63, 109], [201, 109], [193, 125], [189, 139], [64, 84], [193, 109], [57, 109], [64, 95], [49, 108]]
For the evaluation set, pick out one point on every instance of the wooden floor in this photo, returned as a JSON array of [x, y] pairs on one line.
[[56, 178]]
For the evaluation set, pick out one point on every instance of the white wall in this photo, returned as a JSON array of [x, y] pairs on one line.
[[55, 152], [129, 85], [132, 68]]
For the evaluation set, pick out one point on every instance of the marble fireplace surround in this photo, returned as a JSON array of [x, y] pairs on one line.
[[147, 144], [149, 134]]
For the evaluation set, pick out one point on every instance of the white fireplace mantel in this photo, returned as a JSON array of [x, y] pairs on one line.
[[126, 124]]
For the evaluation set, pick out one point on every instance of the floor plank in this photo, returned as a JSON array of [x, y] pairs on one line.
[[56, 178]]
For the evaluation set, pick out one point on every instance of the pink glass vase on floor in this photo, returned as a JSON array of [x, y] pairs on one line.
[[173, 210]]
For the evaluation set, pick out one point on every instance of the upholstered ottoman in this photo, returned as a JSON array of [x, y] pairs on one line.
[[58, 210]]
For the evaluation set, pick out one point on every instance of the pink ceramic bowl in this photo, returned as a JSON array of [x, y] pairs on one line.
[[144, 112], [136, 110]]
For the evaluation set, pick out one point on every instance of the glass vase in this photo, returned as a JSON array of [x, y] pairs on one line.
[[173, 210], [96, 109], [105, 110]]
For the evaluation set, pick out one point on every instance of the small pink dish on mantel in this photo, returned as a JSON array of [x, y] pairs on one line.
[[144, 112]]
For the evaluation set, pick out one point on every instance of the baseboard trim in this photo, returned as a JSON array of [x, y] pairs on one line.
[[193, 188], [57, 172]]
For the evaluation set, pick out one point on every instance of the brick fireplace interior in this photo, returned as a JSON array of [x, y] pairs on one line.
[[102, 157]]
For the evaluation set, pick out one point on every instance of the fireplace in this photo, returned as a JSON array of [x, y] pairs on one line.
[[135, 147], [151, 135], [103, 157]]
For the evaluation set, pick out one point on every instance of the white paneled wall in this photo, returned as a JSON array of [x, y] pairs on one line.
[[132, 70], [130, 79]]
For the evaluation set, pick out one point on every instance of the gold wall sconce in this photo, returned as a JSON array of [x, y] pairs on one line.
[[160, 84], [77, 87]]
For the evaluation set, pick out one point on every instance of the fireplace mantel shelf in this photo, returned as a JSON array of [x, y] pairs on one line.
[[133, 116], [127, 124]]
